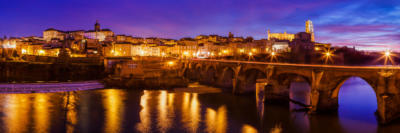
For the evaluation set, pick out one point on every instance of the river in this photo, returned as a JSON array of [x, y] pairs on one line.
[[120, 110]]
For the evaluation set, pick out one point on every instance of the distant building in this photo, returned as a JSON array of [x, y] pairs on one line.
[[309, 28], [281, 47], [97, 33], [280, 36]]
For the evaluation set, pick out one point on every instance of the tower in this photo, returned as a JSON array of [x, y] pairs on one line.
[[310, 29], [230, 35], [97, 26]]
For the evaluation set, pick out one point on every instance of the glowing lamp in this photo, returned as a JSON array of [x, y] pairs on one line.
[[186, 53], [328, 54], [41, 52], [170, 63], [23, 51], [387, 53]]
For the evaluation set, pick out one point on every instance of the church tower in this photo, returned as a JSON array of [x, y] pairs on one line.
[[97, 26], [310, 29]]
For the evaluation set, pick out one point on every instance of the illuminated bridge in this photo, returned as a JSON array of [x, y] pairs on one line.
[[274, 79]]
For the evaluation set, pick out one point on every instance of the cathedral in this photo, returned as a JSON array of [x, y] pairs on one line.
[[289, 37]]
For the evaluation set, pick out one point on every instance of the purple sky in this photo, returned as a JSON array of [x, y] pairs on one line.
[[368, 24]]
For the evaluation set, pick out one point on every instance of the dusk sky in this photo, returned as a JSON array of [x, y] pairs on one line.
[[372, 24]]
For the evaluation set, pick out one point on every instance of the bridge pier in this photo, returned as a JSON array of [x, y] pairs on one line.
[[388, 98], [273, 92], [324, 101]]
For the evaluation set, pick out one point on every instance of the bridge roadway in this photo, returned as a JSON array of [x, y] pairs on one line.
[[273, 81]]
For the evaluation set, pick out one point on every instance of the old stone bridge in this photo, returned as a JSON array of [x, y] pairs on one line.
[[274, 79]]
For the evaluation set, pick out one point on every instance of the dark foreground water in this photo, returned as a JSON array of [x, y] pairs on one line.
[[119, 110]]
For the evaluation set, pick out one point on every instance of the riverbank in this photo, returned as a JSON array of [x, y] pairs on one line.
[[40, 71], [144, 73], [50, 87], [146, 83]]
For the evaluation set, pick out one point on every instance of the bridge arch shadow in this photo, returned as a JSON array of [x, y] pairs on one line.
[[357, 101], [226, 79], [249, 79], [209, 76], [297, 88], [197, 72]]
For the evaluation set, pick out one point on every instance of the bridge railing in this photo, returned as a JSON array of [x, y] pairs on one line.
[[299, 65]]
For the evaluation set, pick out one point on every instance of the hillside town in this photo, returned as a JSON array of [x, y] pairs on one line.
[[299, 48]]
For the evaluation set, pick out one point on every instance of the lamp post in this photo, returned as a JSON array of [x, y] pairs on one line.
[[250, 55], [387, 56], [273, 55], [327, 56]]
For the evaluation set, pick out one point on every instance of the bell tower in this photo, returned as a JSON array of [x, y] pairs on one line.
[[97, 26], [310, 29]]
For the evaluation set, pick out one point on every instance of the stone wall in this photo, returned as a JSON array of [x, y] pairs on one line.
[[26, 71]]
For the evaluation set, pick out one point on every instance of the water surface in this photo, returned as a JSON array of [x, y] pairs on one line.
[[119, 110]]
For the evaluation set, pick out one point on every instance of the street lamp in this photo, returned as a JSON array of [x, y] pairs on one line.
[[250, 55], [241, 50], [328, 54], [388, 57], [273, 55], [387, 53]]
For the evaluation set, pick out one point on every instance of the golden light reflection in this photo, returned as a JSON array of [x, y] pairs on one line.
[[145, 119], [216, 121], [114, 110], [171, 99], [163, 122], [248, 129], [41, 113], [210, 120], [71, 112], [185, 108], [171, 112], [16, 113], [195, 113], [191, 114]]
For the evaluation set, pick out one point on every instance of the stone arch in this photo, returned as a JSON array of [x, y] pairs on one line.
[[356, 99], [227, 78], [248, 79], [187, 73], [252, 67], [197, 72], [210, 76], [343, 79], [287, 77], [208, 66], [197, 66]]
